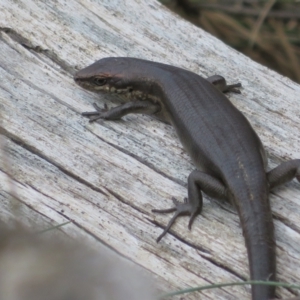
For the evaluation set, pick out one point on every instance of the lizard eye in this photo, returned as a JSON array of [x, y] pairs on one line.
[[99, 81]]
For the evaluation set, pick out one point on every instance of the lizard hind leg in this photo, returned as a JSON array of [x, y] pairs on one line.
[[197, 182], [180, 209], [284, 172]]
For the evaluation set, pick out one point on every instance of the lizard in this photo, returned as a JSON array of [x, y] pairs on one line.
[[229, 157]]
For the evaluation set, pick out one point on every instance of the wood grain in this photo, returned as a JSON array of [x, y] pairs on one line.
[[106, 177]]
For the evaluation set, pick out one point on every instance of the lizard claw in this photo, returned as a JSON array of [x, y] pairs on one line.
[[233, 88], [180, 209], [99, 113]]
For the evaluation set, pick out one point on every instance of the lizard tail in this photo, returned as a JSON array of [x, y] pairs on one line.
[[258, 230]]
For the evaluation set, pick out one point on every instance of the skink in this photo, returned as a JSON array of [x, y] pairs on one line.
[[229, 156]]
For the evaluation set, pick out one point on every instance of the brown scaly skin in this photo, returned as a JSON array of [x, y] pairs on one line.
[[228, 154]]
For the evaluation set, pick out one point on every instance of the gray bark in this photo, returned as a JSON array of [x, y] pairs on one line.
[[106, 177]]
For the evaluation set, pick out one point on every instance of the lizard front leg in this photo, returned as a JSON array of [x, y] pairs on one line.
[[116, 113], [220, 83]]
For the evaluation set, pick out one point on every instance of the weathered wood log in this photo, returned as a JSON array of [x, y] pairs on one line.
[[106, 177]]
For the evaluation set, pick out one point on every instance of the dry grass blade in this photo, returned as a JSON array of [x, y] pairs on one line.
[[260, 21], [293, 65], [247, 26]]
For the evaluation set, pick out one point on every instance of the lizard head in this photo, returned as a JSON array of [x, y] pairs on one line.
[[109, 75]]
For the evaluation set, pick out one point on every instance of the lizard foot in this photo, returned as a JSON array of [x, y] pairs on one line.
[[233, 88], [99, 113], [180, 209]]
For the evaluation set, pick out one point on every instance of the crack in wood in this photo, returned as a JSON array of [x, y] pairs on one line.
[[35, 151]]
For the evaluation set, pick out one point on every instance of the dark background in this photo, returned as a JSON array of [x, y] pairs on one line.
[[267, 31]]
